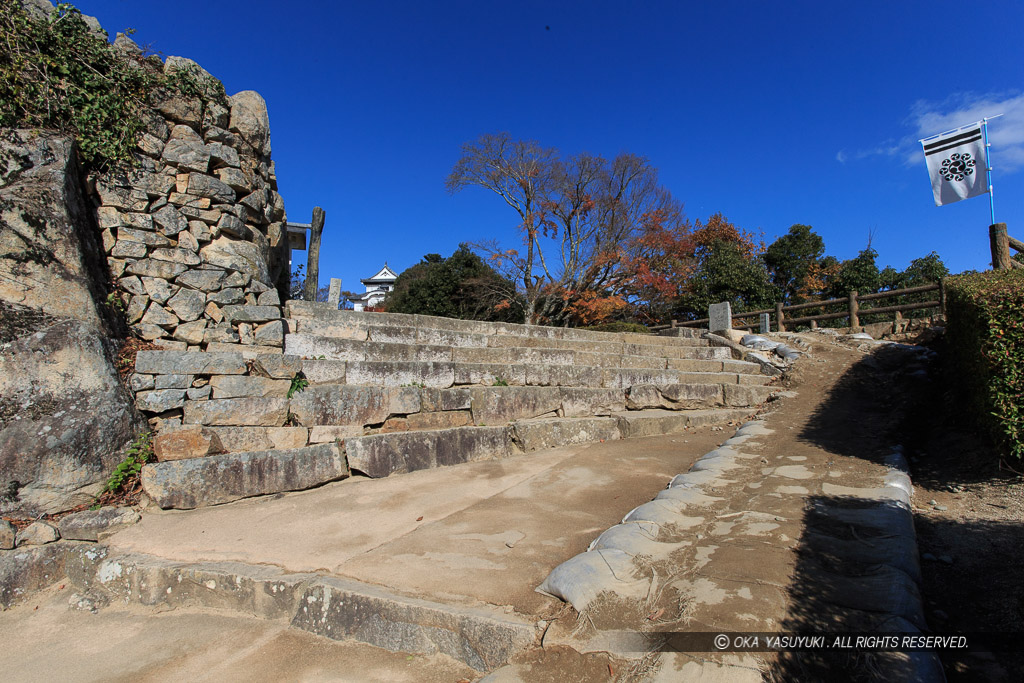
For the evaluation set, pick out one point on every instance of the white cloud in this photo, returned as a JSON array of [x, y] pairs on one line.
[[841, 156], [1006, 133]]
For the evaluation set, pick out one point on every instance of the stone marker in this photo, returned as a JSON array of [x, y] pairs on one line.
[[334, 294], [720, 317], [766, 323]]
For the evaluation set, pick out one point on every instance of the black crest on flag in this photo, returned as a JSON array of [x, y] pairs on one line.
[[957, 166]]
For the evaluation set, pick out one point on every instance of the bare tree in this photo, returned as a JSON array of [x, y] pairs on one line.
[[578, 216], [519, 172]]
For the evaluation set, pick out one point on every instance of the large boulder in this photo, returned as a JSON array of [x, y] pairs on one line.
[[250, 120], [65, 417], [239, 255]]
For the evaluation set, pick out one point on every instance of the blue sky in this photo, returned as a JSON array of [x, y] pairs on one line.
[[771, 112]]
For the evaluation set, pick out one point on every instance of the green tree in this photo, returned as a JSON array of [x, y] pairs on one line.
[[921, 271], [858, 274], [924, 270], [792, 259], [460, 286], [727, 274]]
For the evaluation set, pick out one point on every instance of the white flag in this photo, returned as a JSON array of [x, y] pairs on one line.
[[956, 164]]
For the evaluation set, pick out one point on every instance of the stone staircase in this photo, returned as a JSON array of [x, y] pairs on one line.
[[393, 393]]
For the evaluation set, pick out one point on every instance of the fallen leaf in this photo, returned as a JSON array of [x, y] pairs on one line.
[[420, 518], [655, 614]]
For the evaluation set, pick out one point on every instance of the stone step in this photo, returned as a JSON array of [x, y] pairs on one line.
[[346, 405], [335, 348], [429, 336], [340, 609], [199, 482], [352, 325], [442, 375], [522, 421], [656, 422]]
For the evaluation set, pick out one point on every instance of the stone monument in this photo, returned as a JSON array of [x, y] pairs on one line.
[[720, 317]]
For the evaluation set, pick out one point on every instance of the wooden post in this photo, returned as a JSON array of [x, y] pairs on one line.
[[779, 319], [942, 296], [854, 308], [814, 324], [1000, 243], [313, 256]]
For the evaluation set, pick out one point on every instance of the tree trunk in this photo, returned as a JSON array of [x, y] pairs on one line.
[[313, 255]]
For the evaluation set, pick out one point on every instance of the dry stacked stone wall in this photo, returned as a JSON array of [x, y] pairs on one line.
[[195, 234]]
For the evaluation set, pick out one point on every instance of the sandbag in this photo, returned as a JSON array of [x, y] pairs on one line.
[[756, 341], [582, 578]]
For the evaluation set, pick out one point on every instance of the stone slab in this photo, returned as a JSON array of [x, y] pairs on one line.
[[381, 455], [259, 412], [240, 386], [90, 525], [498, 405], [189, 363], [535, 435], [482, 638], [243, 439], [333, 404], [216, 479], [400, 373]]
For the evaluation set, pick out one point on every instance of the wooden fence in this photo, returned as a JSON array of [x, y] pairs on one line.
[[852, 309], [1001, 244]]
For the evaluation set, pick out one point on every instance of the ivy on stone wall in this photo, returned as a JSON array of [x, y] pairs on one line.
[[61, 74]]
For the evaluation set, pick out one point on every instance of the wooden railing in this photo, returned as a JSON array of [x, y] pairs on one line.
[[852, 310]]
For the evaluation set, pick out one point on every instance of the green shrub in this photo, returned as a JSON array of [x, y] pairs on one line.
[[618, 327], [985, 342]]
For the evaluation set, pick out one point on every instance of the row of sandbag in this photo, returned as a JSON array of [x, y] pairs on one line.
[[608, 564]]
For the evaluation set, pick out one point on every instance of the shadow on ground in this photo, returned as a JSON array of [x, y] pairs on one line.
[[969, 529]]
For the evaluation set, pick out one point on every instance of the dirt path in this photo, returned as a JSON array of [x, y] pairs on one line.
[[851, 409]]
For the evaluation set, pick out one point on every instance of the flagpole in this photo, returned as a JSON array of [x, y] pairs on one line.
[[988, 170]]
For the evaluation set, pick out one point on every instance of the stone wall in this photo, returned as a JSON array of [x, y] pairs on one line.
[[195, 234]]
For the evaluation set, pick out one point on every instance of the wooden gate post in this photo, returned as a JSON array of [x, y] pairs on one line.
[[854, 309], [1000, 243], [779, 318], [313, 256]]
